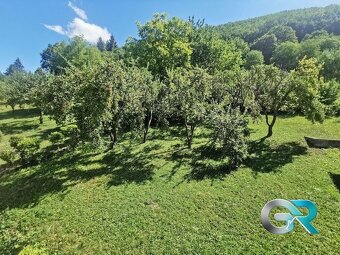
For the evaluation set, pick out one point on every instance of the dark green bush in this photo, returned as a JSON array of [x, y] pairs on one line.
[[14, 141], [329, 96], [70, 130], [56, 138], [8, 156], [27, 148], [1, 136], [230, 129]]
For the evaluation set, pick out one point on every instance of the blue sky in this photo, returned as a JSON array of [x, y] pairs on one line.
[[27, 27]]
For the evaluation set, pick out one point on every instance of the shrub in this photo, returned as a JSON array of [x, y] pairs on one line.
[[27, 149], [329, 96], [56, 138], [30, 250], [231, 131], [1, 136], [70, 130], [14, 141], [8, 156]]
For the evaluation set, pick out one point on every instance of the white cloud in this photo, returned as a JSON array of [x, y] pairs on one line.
[[80, 27], [90, 32], [80, 12], [58, 29]]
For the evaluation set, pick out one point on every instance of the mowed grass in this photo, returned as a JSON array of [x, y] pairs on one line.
[[161, 198]]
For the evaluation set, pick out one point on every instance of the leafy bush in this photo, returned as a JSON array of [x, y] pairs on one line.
[[329, 96], [14, 141], [56, 138], [1, 136], [70, 130], [27, 148], [31, 250], [8, 156], [231, 131]]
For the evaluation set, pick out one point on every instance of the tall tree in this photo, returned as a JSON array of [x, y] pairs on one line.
[[266, 44], [253, 58], [38, 92], [77, 53], [307, 86], [111, 44], [164, 44], [273, 90], [101, 45], [17, 86], [17, 66], [331, 61], [214, 54], [191, 90], [277, 89], [286, 55], [283, 34]]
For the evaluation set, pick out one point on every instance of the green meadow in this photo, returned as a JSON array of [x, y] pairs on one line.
[[163, 198]]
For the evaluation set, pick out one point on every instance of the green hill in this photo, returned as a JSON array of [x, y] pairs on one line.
[[303, 21]]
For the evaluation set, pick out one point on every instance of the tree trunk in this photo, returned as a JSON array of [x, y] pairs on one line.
[[192, 129], [147, 125], [270, 124], [41, 117], [113, 136], [189, 128]]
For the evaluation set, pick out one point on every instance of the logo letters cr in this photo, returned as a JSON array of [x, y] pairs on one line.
[[289, 218]]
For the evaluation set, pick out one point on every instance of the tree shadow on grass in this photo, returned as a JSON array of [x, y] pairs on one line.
[[202, 170], [209, 162], [128, 167], [171, 133], [125, 165], [336, 180], [122, 166], [265, 158], [166, 134], [19, 113], [205, 162], [27, 190], [17, 127], [27, 187], [43, 134]]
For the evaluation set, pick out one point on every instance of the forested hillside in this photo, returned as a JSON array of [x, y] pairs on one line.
[[304, 21], [287, 37]]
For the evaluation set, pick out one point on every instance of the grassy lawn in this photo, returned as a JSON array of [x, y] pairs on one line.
[[161, 198]]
